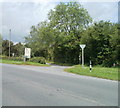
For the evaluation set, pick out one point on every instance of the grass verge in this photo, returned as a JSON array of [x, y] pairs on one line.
[[100, 72], [22, 63], [60, 64]]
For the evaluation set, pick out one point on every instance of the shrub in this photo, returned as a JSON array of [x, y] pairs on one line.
[[12, 58], [16, 58], [38, 60], [108, 62], [3, 57]]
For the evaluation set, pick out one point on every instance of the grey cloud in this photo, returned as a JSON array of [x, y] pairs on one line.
[[102, 10], [20, 16]]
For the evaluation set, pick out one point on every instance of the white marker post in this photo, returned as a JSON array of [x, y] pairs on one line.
[[82, 46], [90, 66]]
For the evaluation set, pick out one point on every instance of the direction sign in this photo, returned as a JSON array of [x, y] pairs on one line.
[[28, 52], [82, 46]]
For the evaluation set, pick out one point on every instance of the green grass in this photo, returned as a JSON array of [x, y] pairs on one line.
[[100, 72], [22, 63], [61, 64]]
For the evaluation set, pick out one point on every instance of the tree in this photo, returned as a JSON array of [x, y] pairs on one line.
[[68, 20], [101, 39], [0, 44], [5, 47], [69, 25], [114, 42], [59, 37], [41, 40], [18, 49]]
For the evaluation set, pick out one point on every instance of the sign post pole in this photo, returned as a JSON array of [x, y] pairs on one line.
[[82, 57], [82, 46]]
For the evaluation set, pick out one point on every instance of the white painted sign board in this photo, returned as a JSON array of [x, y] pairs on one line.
[[82, 46], [28, 52]]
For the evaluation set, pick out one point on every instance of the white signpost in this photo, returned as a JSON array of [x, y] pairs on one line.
[[82, 46], [28, 52]]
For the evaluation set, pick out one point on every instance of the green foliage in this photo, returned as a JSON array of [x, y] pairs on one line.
[[68, 20], [69, 25], [22, 63], [58, 38], [0, 44], [11, 58], [17, 49], [5, 47], [100, 72], [101, 41], [40, 60], [16, 58], [41, 40]]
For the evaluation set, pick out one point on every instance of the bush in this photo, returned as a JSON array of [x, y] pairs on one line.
[[40, 60], [3, 57], [12, 58], [17, 58], [108, 62]]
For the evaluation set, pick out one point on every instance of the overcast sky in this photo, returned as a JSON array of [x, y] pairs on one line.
[[20, 16]]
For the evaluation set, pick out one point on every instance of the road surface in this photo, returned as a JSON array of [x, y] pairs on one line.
[[51, 86]]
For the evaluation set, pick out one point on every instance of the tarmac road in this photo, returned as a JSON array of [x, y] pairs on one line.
[[51, 86]]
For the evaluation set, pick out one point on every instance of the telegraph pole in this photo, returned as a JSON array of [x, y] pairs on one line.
[[9, 41]]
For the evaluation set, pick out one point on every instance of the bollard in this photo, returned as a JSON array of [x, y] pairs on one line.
[[90, 66]]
